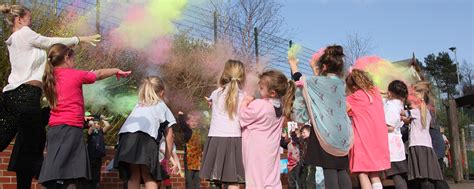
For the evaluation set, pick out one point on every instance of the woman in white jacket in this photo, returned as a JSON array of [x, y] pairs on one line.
[[20, 110]]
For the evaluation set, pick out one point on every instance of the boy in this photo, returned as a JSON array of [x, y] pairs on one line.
[[96, 145], [193, 148]]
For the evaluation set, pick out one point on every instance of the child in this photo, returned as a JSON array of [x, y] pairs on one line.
[[261, 121], [96, 146], [305, 131], [370, 153], [222, 155], [309, 171], [294, 165], [193, 149], [394, 106], [322, 101], [137, 155], [174, 159], [66, 163], [422, 161]]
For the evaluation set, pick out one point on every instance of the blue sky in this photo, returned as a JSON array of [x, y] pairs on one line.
[[397, 27]]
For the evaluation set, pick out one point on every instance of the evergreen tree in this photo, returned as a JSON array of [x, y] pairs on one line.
[[443, 71]]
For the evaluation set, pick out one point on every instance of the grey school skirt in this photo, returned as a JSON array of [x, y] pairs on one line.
[[66, 155], [423, 164], [222, 160]]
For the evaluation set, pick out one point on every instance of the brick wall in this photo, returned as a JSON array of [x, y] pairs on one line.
[[109, 180]]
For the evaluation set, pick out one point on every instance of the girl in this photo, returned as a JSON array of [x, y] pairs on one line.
[[422, 161], [394, 106], [370, 153], [322, 101], [20, 109], [261, 121], [222, 155], [66, 160], [137, 155]]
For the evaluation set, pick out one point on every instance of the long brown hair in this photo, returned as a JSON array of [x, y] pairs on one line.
[[12, 11], [150, 88], [234, 74], [56, 55], [333, 59], [284, 88]]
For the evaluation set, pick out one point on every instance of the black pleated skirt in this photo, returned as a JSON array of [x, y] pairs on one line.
[[397, 168], [137, 148]]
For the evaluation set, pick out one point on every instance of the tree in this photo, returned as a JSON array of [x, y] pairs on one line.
[[443, 71], [467, 74], [237, 20], [357, 46]]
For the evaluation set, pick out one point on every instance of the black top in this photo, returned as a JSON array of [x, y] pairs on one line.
[[96, 144], [184, 127]]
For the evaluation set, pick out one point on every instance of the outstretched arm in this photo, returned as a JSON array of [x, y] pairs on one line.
[[105, 73]]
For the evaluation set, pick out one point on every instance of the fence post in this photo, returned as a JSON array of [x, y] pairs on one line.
[[55, 8], [215, 27], [465, 164], [97, 16], [455, 141], [256, 43]]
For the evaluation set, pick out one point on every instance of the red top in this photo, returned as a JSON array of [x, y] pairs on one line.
[[70, 106]]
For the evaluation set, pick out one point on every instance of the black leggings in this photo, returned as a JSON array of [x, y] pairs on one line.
[[399, 181], [22, 109], [337, 179]]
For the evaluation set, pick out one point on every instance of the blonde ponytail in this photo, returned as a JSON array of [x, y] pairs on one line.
[[231, 98], [232, 78], [423, 113], [148, 93], [424, 90]]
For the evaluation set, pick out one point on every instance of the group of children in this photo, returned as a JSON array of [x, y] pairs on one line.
[[372, 136], [349, 125], [344, 125]]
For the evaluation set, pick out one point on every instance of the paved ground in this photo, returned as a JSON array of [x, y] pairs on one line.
[[465, 185]]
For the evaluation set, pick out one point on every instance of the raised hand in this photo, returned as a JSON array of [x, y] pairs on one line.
[[92, 39]]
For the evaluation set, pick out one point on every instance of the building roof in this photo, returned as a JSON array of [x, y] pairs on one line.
[[465, 101]]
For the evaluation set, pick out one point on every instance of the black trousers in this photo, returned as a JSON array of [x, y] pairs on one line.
[[294, 178], [95, 164]]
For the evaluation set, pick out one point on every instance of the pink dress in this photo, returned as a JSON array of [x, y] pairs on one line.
[[370, 152], [261, 133]]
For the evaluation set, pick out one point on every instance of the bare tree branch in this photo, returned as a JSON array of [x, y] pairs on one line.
[[237, 20], [357, 46]]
